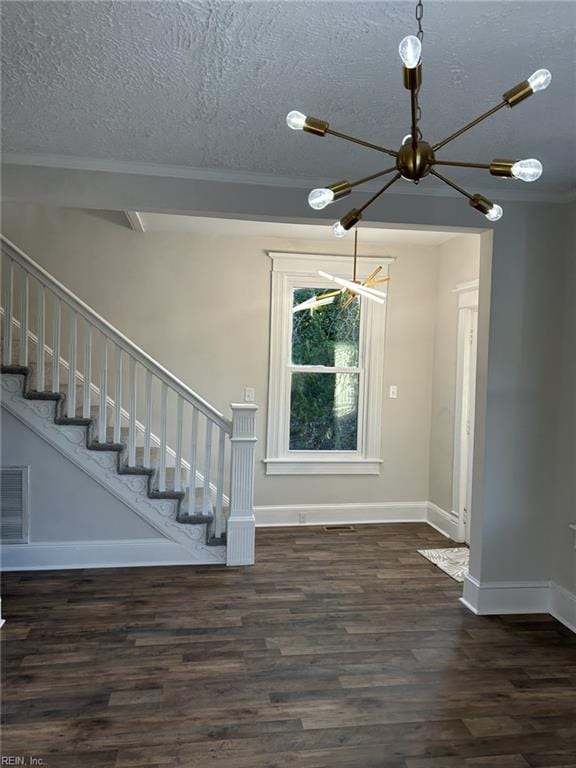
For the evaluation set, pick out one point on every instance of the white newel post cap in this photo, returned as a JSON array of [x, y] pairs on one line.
[[243, 421]]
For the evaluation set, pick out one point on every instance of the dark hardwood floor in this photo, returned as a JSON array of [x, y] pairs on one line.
[[337, 650]]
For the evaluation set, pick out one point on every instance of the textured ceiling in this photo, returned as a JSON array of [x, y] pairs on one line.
[[207, 84]]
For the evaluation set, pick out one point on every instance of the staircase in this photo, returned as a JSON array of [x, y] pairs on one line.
[[124, 419]]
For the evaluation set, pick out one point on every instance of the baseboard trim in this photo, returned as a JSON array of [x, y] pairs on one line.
[[63, 555], [489, 598], [444, 522], [520, 597], [329, 514], [563, 605]]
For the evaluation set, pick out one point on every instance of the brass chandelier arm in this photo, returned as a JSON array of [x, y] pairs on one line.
[[457, 164], [451, 184], [372, 176], [470, 125], [414, 109], [376, 195], [328, 295], [372, 276], [362, 143]]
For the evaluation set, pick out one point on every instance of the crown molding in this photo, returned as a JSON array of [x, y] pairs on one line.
[[519, 193]]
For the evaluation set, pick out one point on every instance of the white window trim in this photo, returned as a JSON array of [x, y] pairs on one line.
[[292, 270]]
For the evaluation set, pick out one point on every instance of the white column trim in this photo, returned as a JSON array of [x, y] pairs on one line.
[[240, 531]]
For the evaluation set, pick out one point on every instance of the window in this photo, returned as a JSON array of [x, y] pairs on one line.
[[324, 409]]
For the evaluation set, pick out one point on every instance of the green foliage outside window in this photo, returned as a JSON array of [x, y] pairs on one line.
[[324, 406], [328, 335]]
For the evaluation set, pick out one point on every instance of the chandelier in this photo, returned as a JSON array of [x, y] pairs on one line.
[[349, 288], [417, 158]]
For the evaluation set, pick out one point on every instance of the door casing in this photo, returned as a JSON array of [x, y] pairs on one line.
[[464, 406]]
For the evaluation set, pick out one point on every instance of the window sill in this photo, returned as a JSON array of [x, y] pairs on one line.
[[322, 466]]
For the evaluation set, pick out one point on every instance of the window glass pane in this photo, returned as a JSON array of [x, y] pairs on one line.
[[328, 335], [324, 412]]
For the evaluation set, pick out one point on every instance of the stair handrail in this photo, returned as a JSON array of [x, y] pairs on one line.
[[91, 316]]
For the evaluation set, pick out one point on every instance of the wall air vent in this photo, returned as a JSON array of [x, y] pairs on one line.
[[14, 505]]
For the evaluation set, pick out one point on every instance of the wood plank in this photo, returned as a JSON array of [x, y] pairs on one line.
[[333, 650]]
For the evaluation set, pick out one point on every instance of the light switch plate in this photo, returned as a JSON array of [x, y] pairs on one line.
[[249, 394]]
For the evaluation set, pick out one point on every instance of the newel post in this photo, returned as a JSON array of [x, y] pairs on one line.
[[241, 530]]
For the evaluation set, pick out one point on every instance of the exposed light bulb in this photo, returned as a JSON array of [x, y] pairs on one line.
[[527, 170], [295, 120], [540, 80], [410, 50], [494, 213], [320, 198], [407, 138], [338, 230]]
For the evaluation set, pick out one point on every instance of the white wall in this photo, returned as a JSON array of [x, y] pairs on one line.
[[201, 306], [65, 503], [459, 262]]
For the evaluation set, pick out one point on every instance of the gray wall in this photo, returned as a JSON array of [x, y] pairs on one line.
[[65, 503], [564, 513], [160, 290], [521, 319], [459, 262]]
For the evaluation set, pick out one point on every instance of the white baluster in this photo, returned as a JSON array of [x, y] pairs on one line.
[[8, 309], [241, 528], [163, 418], [178, 461], [41, 343], [86, 403], [148, 421], [132, 413], [103, 409], [193, 460], [56, 338], [219, 516], [72, 349], [118, 395], [24, 319], [206, 503]]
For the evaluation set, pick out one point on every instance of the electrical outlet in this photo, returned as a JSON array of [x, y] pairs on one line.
[[393, 391], [302, 518], [249, 394]]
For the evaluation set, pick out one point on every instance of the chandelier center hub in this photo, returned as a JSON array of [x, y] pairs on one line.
[[415, 162]]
